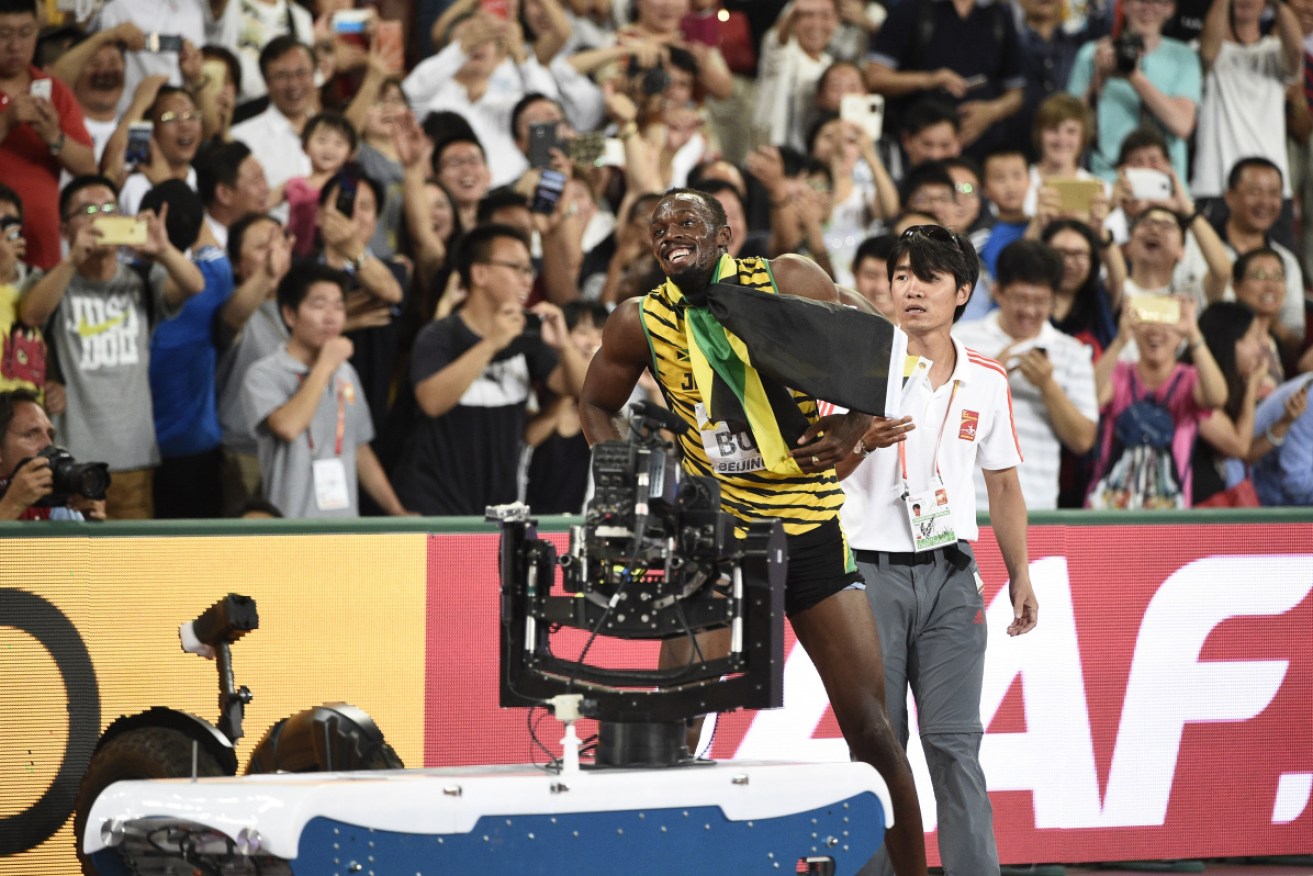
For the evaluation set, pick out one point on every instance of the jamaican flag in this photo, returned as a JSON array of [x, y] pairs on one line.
[[747, 349]]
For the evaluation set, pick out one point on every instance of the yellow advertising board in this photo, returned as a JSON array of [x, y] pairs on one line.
[[89, 632]]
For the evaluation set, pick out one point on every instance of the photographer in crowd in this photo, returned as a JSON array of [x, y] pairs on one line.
[[26, 478], [1139, 76]]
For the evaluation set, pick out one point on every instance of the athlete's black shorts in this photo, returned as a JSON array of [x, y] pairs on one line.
[[820, 565]]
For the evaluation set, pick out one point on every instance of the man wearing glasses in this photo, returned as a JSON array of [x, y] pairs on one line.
[[690, 238], [473, 372], [922, 580], [288, 68], [41, 131], [101, 334]]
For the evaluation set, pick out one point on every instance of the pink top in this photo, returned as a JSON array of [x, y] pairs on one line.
[[1185, 414], [302, 209]]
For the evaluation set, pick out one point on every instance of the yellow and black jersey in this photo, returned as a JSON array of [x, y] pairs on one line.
[[728, 452]]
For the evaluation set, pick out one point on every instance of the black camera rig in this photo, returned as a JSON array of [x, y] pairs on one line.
[[656, 558]]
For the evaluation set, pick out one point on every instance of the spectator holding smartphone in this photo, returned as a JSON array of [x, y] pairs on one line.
[[41, 131]]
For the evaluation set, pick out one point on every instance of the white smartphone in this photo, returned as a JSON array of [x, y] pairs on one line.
[[40, 88], [1148, 184], [866, 110]]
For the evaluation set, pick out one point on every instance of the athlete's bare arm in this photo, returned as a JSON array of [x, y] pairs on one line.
[[614, 371]]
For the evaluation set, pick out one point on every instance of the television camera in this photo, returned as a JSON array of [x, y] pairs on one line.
[[655, 558]]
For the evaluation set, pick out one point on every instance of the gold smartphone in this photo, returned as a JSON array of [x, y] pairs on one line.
[[120, 230], [1075, 195], [1156, 308]]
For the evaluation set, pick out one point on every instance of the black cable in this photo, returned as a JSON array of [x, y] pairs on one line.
[[553, 763]]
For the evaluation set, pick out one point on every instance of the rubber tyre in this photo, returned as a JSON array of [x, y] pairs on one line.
[[287, 747], [144, 753]]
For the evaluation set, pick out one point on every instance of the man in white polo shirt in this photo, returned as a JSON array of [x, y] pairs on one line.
[[1051, 374], [910, 514]]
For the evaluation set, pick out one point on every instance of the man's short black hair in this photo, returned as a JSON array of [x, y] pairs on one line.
[[1005, 151], [11, 399], [1238, 169], [1242, 262], [927, 112], [441, 146], [277, 48], [186, 213], [167, 91], [217, 164], [294, 288], [1029, 261], [715, 209], [18, 7], [1141, 138], [237, 235], [475, 246], [927, 173], [880, 246], [500, 198], [77, 184], [443, 125], [524, 103], [933, 251]]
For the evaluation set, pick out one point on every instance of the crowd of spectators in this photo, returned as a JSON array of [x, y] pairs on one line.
[[320, 256]]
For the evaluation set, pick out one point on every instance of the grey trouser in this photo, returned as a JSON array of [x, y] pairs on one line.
[[932, 633]]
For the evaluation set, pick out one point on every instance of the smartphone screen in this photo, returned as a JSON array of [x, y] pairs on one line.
[[346, 195], [550, 186], [40, 88], [138, 151], [543, 138]]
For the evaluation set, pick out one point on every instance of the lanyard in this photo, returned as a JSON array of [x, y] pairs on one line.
[[934, 461], [341, 422]]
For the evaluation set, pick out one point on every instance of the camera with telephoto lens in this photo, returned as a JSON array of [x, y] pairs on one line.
[[1126, 50], [70, 477]]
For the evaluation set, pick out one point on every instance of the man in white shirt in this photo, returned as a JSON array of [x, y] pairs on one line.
[[231, 184], [170, 18], [288, 68], [1051, 374], [245, 27], [910, 514], [793, 57]]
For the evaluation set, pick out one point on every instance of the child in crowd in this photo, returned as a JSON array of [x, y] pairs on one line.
[[329, 141], [307, 410], [1007, 179]]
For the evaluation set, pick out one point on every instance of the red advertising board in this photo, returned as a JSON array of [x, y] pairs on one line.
[[1160, 709]]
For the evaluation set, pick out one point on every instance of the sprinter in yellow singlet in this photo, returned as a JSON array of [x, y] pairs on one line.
[[823, 598]]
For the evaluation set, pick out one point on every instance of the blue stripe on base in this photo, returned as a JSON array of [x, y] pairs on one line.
[[633, 841]]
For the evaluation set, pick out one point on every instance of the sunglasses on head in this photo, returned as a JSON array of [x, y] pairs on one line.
[[931, 232]]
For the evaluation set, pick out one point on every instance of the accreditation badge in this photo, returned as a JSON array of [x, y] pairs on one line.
[[930, 517], [331, 493]]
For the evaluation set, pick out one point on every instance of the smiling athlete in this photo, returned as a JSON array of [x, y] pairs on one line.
[[764, 474]]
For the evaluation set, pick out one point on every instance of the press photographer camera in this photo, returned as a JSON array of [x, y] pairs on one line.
[[38, 480], [1127, 48]]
